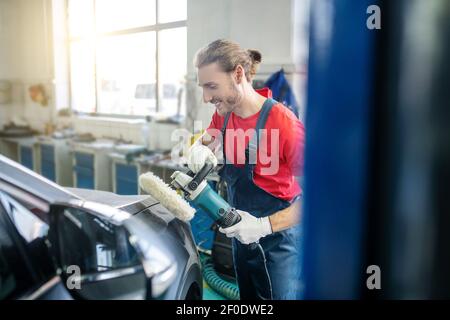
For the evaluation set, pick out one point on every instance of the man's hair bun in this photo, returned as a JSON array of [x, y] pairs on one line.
[[255, 55]]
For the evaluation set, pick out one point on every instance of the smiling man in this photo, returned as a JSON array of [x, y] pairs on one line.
[[266, 240]]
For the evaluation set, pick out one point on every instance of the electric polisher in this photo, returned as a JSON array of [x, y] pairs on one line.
[[195, 189]]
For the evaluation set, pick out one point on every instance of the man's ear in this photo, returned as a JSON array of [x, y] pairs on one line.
[[239, 73]]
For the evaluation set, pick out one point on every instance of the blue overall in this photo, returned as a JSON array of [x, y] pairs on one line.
[[270, 268]]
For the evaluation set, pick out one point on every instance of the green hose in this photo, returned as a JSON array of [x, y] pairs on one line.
[[227, 289]]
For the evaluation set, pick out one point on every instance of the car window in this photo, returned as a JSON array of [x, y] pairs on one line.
[[93, 244], [32, 203], [41, 215], [29, 226], [15, 276], [32, 233]]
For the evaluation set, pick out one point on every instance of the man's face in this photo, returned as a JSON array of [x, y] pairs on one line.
[[219, 88]]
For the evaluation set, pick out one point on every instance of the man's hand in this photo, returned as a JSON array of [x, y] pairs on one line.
[[250, 229], [198, 156]]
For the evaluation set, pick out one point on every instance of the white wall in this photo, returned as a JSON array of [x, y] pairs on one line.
[[264, 25], [26, 57], [8, 24], [300, 49]]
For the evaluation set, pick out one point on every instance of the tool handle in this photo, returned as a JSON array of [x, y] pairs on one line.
[[228, 218], [200, 176]]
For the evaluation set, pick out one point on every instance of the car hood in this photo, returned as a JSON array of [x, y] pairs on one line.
[[129, 203]]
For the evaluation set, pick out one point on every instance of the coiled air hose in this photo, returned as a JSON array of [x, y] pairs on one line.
[[227, 289]]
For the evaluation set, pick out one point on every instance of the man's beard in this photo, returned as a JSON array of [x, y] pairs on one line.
[[233, 100], [230, 102]]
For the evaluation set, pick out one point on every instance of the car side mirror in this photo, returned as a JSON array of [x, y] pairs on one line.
[[100, 256]]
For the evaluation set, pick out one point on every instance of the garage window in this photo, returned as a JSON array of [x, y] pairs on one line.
[[127, 57]]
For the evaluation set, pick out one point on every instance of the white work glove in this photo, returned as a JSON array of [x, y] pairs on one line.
[[198, 155], [250, 229]]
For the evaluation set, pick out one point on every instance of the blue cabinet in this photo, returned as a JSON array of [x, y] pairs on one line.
[[84, 170], [48, 167], [126, 179], [26, 157]]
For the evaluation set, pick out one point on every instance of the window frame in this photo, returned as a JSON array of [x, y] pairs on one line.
[[157, 28]]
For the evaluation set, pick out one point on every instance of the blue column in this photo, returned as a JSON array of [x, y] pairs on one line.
[[339, 107]]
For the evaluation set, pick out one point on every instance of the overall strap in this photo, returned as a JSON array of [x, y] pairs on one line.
[[252, 147], [224, 128], [253, 144]]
